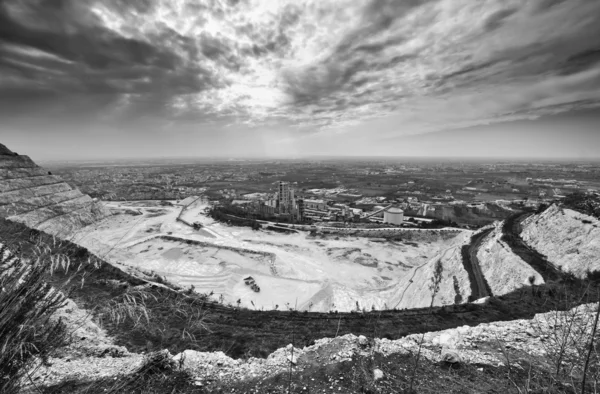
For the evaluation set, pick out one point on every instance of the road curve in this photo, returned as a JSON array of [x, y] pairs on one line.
[[479, 286]]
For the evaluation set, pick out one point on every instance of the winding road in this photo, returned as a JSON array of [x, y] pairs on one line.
[[479, 286]]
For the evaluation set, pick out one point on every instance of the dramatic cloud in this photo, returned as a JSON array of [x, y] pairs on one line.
[[326, 66]]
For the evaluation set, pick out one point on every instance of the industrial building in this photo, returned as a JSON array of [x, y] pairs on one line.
[[285, 198], [393, 215], [315, 204]]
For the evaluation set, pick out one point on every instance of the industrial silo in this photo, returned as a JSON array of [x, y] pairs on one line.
[[393, 215]]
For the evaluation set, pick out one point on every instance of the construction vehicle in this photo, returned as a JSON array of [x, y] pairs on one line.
[[249, 281]]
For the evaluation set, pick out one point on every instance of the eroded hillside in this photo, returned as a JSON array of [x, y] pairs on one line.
[[570, 240], [33, 196], [503, 270]]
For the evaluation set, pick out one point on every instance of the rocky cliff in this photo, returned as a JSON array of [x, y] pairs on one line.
[[33, 196], [570, 240]]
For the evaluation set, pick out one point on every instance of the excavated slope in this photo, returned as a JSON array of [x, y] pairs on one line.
[[414, 289], [503, 270], [570, 240], [32, 196]]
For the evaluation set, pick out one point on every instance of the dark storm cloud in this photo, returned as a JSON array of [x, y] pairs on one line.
[[72, 35], [60, 49]]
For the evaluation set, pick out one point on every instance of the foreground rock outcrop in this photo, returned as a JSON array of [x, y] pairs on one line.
[[33, 196], [89, 354], [490, 344], [570, 240]]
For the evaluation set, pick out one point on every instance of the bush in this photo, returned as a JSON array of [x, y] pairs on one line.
[[593, 276]]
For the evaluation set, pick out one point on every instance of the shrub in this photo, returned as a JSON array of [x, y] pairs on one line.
[[593, 276]]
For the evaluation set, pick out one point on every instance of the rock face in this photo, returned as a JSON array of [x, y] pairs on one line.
[[570, 240], [504, 270], [413, 289], [31, 195]]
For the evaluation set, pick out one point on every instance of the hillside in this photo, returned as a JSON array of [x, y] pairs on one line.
[[240, 333], [126, 320], [481, 215], [504, 270], [570, 240], [33, 196]]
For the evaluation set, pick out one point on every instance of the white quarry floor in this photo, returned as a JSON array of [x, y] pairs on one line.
[[292, 270]]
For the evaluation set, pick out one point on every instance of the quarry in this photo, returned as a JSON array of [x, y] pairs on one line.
[[299, 197], [233, 304], [299, 271]]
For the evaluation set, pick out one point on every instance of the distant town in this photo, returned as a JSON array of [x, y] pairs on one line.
[[414, 193]]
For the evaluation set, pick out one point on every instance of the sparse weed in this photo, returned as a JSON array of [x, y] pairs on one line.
[[27, 303]]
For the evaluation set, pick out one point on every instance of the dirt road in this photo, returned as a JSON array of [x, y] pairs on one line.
[[479, 286]]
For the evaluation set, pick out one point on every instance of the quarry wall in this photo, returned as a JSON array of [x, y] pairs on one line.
[[201, 243], [33, 196]]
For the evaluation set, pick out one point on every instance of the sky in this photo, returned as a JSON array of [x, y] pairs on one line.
[[94, 79]]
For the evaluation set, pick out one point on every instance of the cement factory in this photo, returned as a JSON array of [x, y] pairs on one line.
[[286, 205]]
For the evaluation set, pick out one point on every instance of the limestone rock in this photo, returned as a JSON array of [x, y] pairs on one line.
[[567, 238], [448, 339], [363, 341], [32, 196], [377, 374], [204, 363], [293, 359], [503, 270], [451, 356]]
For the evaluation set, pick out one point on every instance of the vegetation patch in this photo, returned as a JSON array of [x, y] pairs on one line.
[[588, 204]]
